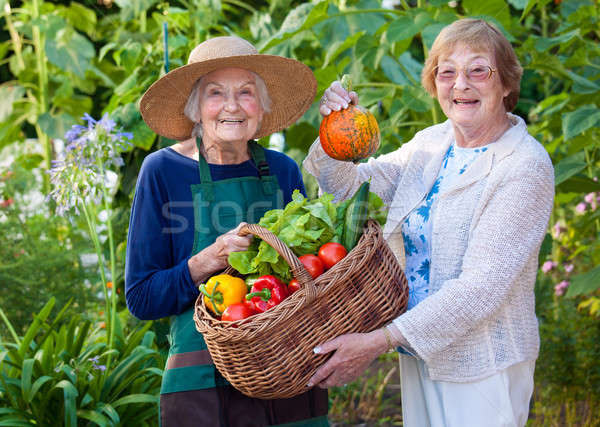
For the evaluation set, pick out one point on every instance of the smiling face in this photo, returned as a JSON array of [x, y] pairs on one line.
[[230, 110], [473, 105]]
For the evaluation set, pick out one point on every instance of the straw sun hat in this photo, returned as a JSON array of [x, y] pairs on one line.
[[290, 83]]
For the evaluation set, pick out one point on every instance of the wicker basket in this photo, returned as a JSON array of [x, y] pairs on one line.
[[270, 355]]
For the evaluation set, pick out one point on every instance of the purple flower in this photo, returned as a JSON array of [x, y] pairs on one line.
[[74, 133], [561, 287], [107, 123], [79, 175], [548, 265], [568, 267], [581, 207], [89, 119]]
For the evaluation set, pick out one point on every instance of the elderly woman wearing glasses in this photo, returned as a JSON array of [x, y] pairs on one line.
[[469, 202]]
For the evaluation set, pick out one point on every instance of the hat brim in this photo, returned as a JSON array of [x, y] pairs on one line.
[[291, 85]]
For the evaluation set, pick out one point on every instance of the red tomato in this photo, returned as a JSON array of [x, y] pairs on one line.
[[293, 286], [331, 253], [313, 264], [237, 311]]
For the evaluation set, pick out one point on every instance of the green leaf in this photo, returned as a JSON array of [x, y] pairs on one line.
[[300, 18], [430, 33], [301, 136], [80, 17], [580, 120], [55, 126], [582, 85], [35, 326], [9, 93], [405, 27], [545, 43], [36, 387], [530, 5], [417, 99], [579, 184], [70, 51], [518, 4], [112, 413], [545, 248], [127, 84], [29, 161], [26, 373], [94, 416], [568, 167], [584, 283], [497, 9], [15, 422], [69, 395], [338, 47], [135, 398], [394, 72], [131, 9]]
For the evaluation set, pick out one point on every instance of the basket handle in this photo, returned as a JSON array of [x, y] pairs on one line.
[[298, 270]]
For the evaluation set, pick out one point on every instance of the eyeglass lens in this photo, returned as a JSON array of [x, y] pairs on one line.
[[475, 73]]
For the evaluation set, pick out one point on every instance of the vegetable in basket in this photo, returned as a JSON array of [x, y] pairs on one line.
[[267, 292], [221, 291], [304, 226], [331, 253], [356, 216], [237, 311], [312, 264]]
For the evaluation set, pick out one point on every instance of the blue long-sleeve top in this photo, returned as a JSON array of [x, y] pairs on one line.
[[161, 228]]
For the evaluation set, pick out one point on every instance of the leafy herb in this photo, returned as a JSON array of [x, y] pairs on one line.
[[304, 226]]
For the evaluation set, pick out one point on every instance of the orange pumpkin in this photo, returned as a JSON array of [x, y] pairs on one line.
[[350, 134]]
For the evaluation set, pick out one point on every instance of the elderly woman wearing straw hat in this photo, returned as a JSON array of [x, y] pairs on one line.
[[469, 203], [189, 202]]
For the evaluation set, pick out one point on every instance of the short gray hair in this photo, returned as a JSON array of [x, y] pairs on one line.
[[192, 106]]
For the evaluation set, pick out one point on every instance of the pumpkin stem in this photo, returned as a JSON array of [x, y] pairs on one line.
[[347, 82]]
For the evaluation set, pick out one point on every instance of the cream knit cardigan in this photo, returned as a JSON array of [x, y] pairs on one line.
[[486, 233]]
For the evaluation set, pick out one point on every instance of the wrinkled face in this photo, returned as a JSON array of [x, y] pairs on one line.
[[469, 92], [230, 109]]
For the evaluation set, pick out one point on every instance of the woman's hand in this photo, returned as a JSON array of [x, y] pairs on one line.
[[213, 258], [335, 98], [353, 354]]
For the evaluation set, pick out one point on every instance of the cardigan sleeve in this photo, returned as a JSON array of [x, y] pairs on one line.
[[505, 238], [342, 179]]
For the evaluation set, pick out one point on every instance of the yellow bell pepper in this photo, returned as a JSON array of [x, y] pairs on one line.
[[221, 291]]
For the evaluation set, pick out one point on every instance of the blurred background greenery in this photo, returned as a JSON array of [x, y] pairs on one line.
[[61, 59]]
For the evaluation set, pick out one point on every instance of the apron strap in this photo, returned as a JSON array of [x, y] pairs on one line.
[[258, 154], [206, 184]]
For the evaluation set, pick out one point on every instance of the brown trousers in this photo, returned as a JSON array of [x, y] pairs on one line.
[[227, 407]]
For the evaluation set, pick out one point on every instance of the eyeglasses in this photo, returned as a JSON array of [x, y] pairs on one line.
[[474, 73]]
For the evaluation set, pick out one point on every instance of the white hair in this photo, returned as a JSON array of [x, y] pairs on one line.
[[192, 106]]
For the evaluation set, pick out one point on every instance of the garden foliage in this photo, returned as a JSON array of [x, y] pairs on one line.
[[60, 60]]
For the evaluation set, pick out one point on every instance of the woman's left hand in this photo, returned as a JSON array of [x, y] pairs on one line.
[[353, 355]]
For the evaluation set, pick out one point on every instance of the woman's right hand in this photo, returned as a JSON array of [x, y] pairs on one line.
[[213, 258], [335, 98]]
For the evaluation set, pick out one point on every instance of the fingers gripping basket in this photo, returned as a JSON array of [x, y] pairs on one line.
[[270, 355]]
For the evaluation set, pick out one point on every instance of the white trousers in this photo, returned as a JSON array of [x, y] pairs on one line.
[[501, 400]]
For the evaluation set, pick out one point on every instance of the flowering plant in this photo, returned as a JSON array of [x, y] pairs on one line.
[[81, 175], [80, 179]]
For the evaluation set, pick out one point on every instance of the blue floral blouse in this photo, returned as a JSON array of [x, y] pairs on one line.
[[416, 229]]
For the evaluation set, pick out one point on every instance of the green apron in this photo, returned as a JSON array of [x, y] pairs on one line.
[[218, 207]]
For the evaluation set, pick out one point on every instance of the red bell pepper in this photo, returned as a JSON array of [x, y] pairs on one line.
[[267, 291]]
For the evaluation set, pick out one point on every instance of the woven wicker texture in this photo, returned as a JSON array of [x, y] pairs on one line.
[[270, 355]]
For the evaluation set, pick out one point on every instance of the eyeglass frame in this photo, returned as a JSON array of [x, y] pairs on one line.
[[459, 69]]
